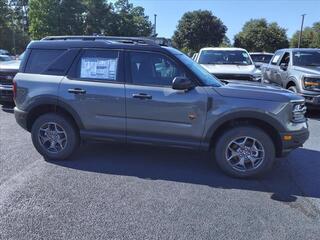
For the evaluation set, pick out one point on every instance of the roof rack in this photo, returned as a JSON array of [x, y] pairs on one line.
[[130, 40]]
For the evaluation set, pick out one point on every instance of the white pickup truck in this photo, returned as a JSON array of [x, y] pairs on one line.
[[229, 64]]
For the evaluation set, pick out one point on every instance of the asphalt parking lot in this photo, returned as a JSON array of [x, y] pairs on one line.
[[134, 192]]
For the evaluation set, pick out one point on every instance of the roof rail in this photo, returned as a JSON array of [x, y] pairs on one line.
[[132, 40]]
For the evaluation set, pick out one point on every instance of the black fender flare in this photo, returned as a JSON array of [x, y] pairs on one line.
[[243, 114], [54, 101]]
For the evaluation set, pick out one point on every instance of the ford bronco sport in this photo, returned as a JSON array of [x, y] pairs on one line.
[[132, 90]]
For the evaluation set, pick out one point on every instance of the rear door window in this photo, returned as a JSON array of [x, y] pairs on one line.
[[40, 59], [98, 65]]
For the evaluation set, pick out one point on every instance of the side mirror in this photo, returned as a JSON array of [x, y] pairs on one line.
[[182, 83], [257, 65], [284, 66]]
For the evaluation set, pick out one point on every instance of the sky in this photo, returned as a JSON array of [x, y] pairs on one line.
[[233, 13]]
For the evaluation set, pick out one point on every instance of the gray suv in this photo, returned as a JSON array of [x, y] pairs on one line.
[[132, 90], [298, 70]]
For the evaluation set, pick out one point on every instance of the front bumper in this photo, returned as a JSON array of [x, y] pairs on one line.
[[312, 99], [21, 118], [6, 93], [298, 138]]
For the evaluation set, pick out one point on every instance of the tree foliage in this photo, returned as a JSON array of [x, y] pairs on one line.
[[199, 29], [65, 17], [12, 34], [310, 37], [258, 35]]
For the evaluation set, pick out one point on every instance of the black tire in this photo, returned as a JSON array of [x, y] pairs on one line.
[[72, 136], [221, 146], [293, 89]]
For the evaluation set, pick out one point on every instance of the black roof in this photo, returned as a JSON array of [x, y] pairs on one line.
[[110, 42]]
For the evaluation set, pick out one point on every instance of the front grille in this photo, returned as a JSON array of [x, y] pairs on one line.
[[246, 77], [6, 93], [6, 78]]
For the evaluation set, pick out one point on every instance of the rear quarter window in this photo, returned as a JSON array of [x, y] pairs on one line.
[[39, 60]]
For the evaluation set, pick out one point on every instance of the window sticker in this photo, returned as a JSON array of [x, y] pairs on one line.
[[276, 58], [99, 68]]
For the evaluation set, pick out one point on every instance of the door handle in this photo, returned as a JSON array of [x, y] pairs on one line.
[[142, 96], [76, 91]]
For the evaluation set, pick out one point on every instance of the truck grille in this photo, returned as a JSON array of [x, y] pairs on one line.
[[246, 77], [6, 78]]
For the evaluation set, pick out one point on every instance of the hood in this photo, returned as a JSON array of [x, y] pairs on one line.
[[257, 91], [308, 69], [229, 69], [10, 65]]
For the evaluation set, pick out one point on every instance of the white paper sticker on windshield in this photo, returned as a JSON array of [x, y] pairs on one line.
[[276, 58], [99, 68]]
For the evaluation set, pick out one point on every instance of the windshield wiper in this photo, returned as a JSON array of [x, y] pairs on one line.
[[313, 64]]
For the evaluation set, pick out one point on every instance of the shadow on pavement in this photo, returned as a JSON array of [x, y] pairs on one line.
[[196, 168], [313, 114], [8, 108]]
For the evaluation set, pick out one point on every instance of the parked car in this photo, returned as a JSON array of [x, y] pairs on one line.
[[8, 70], [229, 64], [4, 52], [132, 90], [5, 58], [260, 58], [297, 70]]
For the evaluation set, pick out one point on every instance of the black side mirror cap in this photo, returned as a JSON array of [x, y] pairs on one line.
[[182, 83]]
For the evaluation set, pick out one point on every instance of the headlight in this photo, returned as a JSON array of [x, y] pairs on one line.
[[311, 83], [298, 111]]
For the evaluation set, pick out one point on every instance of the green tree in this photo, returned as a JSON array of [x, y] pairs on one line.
[[55, 17], [310, 37], [198, 29], [12, 35], [258, 35], [99, 18], [225, 42], [130, 20]]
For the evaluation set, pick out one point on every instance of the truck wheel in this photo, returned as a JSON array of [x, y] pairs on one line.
[[54, 136], [244, 152], [293, 89]]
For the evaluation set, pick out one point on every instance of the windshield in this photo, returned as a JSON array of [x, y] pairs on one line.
[[199, 71], [263, 58], [306, 58], [235, 57]]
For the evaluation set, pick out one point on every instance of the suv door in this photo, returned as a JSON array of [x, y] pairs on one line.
[[94, 89], [271, 69], [156, 113], [282, 73]]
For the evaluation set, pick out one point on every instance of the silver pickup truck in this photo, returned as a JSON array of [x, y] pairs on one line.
[[297, 70]]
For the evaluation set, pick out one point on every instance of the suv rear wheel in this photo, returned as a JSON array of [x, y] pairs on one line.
[[54, 136], [245, 152]]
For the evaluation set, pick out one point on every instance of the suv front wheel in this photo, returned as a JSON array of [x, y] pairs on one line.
[[54, 136], [245, 152]]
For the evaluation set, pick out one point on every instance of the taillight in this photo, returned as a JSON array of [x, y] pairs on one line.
[[14, 89]]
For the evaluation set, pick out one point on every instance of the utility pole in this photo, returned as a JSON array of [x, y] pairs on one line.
[[300, 35], [155, 25]]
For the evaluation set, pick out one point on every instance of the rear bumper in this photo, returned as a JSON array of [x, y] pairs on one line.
[[6, 93], [297, 140], [21, 117]]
